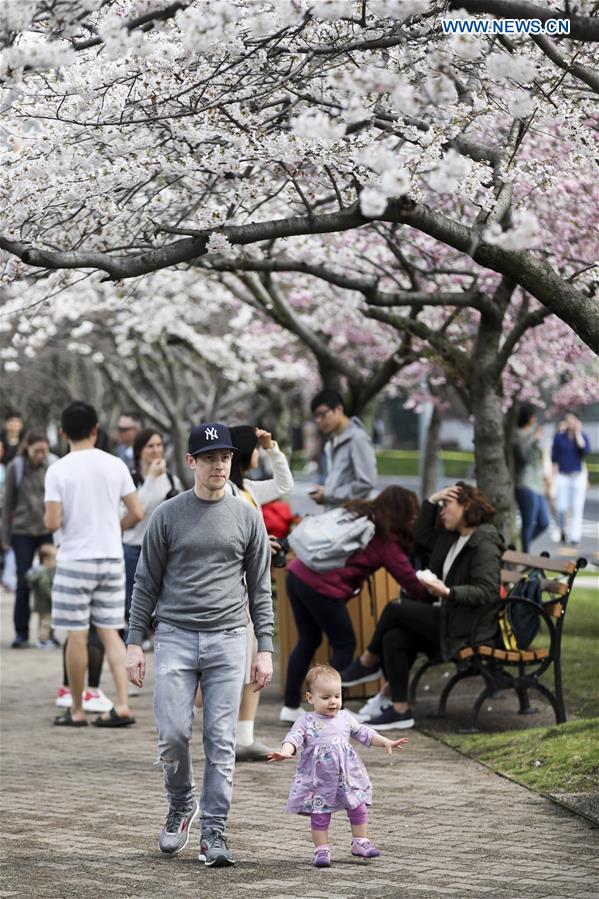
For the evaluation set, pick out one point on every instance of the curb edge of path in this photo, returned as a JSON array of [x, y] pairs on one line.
[[554, 799]]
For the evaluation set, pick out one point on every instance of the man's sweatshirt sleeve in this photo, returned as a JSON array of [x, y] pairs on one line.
[[148, 578], [257, 575]]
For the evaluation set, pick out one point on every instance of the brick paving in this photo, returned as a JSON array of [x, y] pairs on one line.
[[82, 811]]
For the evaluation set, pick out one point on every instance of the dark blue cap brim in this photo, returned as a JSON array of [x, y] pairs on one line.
[[212, 449]]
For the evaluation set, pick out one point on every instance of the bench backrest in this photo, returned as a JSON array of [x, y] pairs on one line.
[[556, 589]]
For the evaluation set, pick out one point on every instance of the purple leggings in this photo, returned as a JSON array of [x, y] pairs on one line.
[[357, 815]]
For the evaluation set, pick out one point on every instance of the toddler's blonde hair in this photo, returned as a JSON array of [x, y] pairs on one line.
[[46, 551], [320, 671]]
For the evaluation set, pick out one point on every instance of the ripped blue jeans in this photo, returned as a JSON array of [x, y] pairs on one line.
[[216, 660]]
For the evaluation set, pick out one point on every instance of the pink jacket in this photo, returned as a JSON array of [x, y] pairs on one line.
[[343, 583]]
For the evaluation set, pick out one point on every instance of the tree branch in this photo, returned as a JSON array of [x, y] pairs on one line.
[[144, 22], [579, 312], [583, 73], [457, 359], [366, 286], [135, 397], [267, 295], [532, 320]]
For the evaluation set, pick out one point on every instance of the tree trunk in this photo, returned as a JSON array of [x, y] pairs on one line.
[[430, 463], [492, 473], [179, 434]]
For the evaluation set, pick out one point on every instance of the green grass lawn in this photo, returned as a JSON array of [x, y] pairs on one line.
[[562, 758], [580, 654], [456, 463]]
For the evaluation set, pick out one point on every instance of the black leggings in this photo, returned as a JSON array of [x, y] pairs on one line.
[[95, 650], [314, 613], [404, 629]]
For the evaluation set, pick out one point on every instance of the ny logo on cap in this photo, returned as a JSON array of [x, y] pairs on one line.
[[211, 434]]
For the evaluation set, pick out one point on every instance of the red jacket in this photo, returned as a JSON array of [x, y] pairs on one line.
[[343, 583], [277, 518]]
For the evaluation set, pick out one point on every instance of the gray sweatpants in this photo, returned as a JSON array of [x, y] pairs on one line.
[[216, 660]]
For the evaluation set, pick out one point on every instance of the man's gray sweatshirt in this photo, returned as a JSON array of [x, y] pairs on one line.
[[200, 563]]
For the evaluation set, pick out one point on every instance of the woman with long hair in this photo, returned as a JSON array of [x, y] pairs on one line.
[[23, 526], [319, 599], [246, 440], [455, 526], [154, 484]]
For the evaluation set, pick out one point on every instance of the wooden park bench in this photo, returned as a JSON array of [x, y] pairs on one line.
[[519, 670]]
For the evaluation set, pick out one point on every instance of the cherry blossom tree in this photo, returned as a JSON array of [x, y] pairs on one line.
[[144, 135], [174, 358], [458, 326], [179, 123]]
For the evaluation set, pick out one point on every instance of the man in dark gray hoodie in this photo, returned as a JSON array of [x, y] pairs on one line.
[[349, 453], [205, 556]]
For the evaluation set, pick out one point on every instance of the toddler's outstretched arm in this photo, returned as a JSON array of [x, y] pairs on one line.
[[287, 752], [389, 745]]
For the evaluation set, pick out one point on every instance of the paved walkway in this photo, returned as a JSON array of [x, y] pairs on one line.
[[82, 811]]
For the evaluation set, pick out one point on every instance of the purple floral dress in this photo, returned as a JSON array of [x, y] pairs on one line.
[[330, 775]]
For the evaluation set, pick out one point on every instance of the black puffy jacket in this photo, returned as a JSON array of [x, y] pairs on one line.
[[473, 579]]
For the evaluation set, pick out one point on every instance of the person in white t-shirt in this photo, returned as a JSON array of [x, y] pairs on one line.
[[83, 492]]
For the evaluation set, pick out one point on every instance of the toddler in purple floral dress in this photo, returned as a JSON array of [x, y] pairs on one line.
[[330, 775]]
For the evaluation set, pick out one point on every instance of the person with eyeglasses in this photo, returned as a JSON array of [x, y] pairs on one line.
[[129, 426], [349, 457]]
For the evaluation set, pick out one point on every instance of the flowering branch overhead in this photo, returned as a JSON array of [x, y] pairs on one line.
[[143, 135]]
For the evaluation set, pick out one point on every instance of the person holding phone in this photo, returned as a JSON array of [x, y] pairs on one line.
[[349, 457], [570, 446]]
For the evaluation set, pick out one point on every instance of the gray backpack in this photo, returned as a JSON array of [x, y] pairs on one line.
[[323, 542]]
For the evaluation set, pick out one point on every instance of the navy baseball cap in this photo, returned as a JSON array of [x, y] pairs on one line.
[[209, 436]]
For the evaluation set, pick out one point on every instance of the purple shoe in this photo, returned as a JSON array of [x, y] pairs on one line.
[[364, 848], [322, 857]]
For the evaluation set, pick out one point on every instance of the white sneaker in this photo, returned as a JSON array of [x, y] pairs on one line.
[[64, 700], [374, 707], [95, 700], [290, 716]]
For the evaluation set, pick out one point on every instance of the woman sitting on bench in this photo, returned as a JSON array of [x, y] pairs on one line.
[[465, 563]]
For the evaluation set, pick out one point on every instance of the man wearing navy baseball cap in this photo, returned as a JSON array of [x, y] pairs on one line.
[[209, 437], [205, 555]]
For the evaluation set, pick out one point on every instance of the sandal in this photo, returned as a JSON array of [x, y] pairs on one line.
[[113, 720], [66, 720]]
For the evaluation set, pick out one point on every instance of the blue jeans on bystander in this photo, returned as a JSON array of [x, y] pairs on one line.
[[25, 547], [534, 513]]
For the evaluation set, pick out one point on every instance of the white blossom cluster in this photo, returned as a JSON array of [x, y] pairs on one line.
[[235, 113]]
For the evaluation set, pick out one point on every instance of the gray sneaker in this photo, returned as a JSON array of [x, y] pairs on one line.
[[214, 851], [175, 833]]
